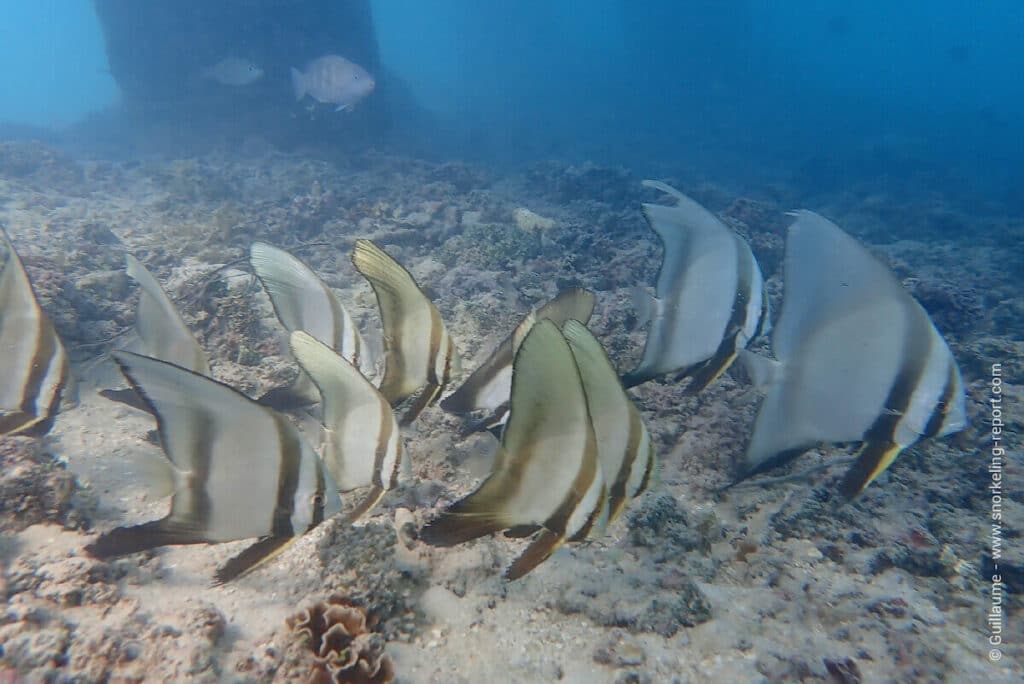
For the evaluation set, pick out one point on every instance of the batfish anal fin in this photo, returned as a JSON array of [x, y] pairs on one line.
[[464, 520], [536, 553], [251, 558], [122, 541], [285, 399], [709, 373], [425, 398], [874, 457], [521, 531], [371, 500]]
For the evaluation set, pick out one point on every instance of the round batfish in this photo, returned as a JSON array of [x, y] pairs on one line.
[[233, 71], [333, 80]]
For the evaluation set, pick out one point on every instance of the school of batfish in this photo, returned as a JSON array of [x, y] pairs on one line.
[[857, 359]]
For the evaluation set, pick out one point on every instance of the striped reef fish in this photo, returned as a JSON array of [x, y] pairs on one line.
[[302, 301], [488, 387], [161, 332], [418, 352], [547, 475], [35, 377], [859, 360], [240, 470], [623, 443], [362, 445], [710, 299]]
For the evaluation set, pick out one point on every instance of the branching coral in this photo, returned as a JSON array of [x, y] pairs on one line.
[[344, 649]]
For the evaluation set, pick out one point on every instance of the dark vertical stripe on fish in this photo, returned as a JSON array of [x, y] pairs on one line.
[[726, 352], [559, 520], [319, 499], [383, 437], [42, 357], [436, 333], [288, 479], [941, 410]]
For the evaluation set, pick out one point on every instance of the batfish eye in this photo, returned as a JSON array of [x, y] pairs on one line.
[[318, 500]]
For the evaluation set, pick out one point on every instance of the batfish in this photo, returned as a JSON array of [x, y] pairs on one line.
[[547, 475], [302, 301], [35, 377], [161, 332], [418, 352], [859, 360], [241, 470], [362, 445], [710, 299], [623, 443]]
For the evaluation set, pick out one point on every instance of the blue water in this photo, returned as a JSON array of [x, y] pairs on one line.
[[742, 89]]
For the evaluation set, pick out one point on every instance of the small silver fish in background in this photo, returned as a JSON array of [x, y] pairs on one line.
[[333, 80], [233, 71]]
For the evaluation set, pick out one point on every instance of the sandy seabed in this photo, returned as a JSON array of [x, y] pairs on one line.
[[781, 583]]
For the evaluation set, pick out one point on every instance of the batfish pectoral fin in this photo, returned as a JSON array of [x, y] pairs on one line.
[[251, 558], [424, 399], [764, 372], [536, 553], [122, 541], [874, 457], [647, 307], [127, 396], [372, 499]]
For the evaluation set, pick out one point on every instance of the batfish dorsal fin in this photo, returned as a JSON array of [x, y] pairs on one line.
[[159, 326], [362, 444], [417, 349], [34, 370], [488, 387]]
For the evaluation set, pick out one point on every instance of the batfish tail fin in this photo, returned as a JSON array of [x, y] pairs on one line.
[[536, 553], [287, 398]]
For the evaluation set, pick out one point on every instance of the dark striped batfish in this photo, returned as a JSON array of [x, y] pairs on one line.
[[35, 378], [362, 445], [710, 298], [302, 301], [547, 475], [623, 443], [488, 387], [418, 352], [859, 360], [241, 470], [161, 332]]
